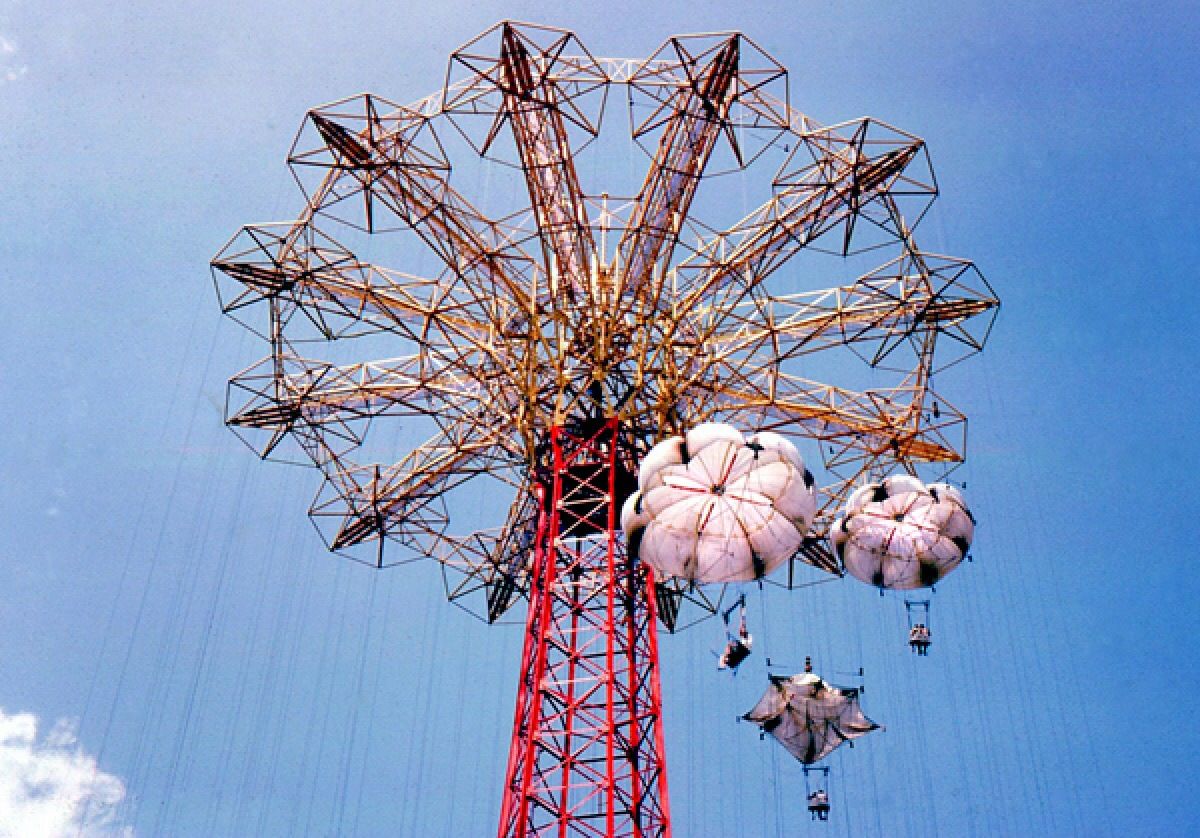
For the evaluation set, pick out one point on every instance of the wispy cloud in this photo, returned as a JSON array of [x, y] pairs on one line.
[[10, 68], [50, 787]]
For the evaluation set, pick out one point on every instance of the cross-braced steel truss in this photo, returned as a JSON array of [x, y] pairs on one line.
[[587, 755]]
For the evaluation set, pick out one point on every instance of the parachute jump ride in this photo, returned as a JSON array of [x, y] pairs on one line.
[[626, 359]]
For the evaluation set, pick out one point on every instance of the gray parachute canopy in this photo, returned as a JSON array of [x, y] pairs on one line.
[[809, 717]]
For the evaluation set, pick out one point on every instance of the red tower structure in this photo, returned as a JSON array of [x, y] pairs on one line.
[[587, 752]]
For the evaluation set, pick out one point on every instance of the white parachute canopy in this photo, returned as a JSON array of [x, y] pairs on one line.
[[809, 717], [903, 534], [712, 506]]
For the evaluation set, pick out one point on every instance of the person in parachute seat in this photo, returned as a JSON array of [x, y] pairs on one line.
[[918, 639], [737, 647], [818, 805]]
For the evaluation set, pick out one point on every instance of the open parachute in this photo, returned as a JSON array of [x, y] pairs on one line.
[[903, 534], [809, 717], [712, 506]]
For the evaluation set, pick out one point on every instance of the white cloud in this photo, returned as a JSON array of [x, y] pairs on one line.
[[9, 69], [51, 788]]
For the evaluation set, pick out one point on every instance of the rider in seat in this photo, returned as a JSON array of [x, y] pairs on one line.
[[737, 649], [918, 638], [818, 805]]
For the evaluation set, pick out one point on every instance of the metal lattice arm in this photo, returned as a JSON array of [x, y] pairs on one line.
[[877, 421], [327, 281], [496, 561], [809, 202], [881, 308], [387, 163], [532, 104], [700, 110], [406, 386], [406, 500]]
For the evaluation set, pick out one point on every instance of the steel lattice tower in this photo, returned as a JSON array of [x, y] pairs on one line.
[[587, 747], [563, 336]]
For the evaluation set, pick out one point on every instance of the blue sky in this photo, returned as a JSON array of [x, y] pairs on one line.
[[163, 589]]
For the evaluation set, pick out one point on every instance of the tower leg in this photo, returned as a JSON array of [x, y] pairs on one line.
[[587, 754]]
